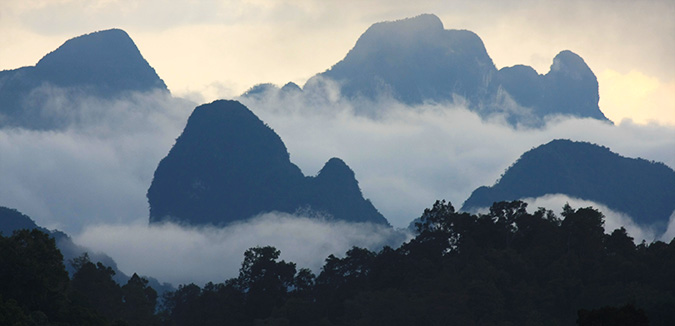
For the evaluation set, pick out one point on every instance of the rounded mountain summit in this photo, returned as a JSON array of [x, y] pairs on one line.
[[229, 166], [416, 60]]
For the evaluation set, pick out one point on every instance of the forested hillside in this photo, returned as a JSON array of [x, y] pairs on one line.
[[506, 267]]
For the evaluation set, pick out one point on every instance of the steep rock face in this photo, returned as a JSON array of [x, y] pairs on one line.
[[109, 61], [104, 64], [571, 88], [227, 166], [642, 189], [226, 163], [336, 191], [416, 60]]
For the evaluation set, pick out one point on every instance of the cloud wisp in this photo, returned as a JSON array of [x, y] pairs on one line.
[[613, 219], [90, 178], [180, 254], [409, 156], [98, 167]]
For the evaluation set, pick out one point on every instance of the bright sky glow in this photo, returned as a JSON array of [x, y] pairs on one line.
[[207, 49]]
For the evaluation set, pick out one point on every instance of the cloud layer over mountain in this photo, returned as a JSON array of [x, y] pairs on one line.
[[410, 155], [99, 171], [181, 255], [91, 178], [189, 42]]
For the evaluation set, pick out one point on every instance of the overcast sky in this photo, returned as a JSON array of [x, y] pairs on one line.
[[208, 49]]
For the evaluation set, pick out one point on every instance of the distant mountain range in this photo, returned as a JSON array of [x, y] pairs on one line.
[[642, 189], [416, 60], [228, 166], [105, 64]]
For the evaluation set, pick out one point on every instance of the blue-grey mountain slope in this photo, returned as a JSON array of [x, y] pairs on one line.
[[642, 189], [416, 60], [228, 166], [12, 220], [105, 64]]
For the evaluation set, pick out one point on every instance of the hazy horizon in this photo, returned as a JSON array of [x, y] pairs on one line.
[[206, 50]]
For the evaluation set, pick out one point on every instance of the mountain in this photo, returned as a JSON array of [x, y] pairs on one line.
[[12, 220], [104, 64], [265, 90], [642, 189], [228, 166], [416, 60]]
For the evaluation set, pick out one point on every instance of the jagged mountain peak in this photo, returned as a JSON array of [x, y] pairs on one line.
[[572, 65], [407, 27], [338, 176], [107, 59], [335, 167], [104, 64], [98, 44], [414, 60], [228, 166]]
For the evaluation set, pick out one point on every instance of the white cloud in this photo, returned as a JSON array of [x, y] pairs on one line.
[[98, 168], [90, 179], [613, 219], [181, 255], [196, 43], [411, 156], [669, 235]]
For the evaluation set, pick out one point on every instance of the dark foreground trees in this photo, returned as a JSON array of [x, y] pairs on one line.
[[506, 267], [35, 288]]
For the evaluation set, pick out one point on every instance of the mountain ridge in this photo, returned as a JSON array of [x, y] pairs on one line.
[[642, 189], [228, 166], [104, 64], [415, 61]]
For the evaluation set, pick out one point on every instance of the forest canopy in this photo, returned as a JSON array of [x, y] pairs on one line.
[[505, 267]]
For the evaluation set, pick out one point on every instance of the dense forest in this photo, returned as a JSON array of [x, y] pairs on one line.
[[505, 267]]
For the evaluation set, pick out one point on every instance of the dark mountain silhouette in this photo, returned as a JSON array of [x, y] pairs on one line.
[[260, 90], [227, 166], [569, 88], [416, 60], [290, 88], [12, 220], [104, 64], [642, 189], [263, 90]]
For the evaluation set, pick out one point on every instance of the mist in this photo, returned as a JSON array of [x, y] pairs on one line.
[[98, 168], [613, 219], [95, 169], [182, 254], [90, 177], [407, 157]]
